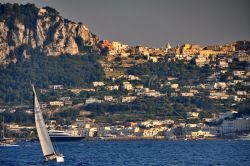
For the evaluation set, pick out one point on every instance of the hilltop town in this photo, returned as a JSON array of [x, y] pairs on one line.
[[202, 106]]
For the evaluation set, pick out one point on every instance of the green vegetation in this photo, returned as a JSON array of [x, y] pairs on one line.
[[183, 71], [70, 71], [243, 107], [142, 108], [67, 116], [19, 116]]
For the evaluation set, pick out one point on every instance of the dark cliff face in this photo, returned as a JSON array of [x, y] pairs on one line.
[[25, 29]]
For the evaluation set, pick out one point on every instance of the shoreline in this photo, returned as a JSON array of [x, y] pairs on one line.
[[136, 138]]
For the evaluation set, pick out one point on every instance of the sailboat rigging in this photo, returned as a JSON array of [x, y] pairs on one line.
[[49, 153]]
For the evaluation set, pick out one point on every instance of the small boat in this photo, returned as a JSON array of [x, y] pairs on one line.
[[59, 135], [6, 141], [244, 137], [49, 153]]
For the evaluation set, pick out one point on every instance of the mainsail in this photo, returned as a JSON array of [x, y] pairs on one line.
[[43, 135]]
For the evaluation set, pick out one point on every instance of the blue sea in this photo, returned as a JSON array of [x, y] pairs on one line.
[[133, 153]]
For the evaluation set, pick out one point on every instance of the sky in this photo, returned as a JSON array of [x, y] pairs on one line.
[[153, 23]]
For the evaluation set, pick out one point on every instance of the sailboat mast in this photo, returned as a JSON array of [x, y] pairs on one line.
[[42, 132]]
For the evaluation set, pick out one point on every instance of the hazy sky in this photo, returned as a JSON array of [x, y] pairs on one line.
[[155, 22]]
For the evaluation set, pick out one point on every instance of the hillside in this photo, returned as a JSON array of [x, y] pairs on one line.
[[26, 30], [76, 71], [38, 45]]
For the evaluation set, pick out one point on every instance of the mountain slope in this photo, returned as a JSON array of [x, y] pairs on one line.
[[26, 29]]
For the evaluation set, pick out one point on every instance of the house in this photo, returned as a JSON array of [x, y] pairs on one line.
[[193, 114], [105, 44], [218, 95], [218, 85], [174, 94], [112, 52], [171, 78], [140, 50], [131, 124], [242, 56], [148, 92], [117, 46], [108, 98], [241, 93], [64, 98], [187, 94], [133, 77], [195, 91], [125, 54], [68, 102], [139, 87], [56, 103], [239, 73], [128, 86], [152, 58], [112, 87], [78, 90], [174, 86], [201, 134], [201, 61], [98, 83], [223, 63], [89, 132], [150, 132], [55, 87], [128, 99], [92, 100]]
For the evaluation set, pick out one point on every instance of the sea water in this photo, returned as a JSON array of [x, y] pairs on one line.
[[133, 153]]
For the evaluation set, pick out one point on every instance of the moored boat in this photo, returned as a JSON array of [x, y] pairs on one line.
[[58, 135], [244, 137]]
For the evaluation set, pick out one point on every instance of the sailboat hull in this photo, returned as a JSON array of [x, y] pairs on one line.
[[55, 158], [66, 138]]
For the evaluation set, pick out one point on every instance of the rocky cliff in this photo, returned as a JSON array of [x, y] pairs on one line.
[[26, 29]]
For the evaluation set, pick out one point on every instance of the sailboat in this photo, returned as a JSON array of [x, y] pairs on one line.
[[6, 141], [49, 153]]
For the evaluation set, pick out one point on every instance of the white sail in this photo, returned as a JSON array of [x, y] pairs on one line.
[[43, 135]]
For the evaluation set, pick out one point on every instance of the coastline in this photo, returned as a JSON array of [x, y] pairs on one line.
[[137, 138]]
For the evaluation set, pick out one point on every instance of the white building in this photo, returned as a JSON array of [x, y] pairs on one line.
[[187, 94], [108, 98], [92, 100], [112, 87], [174, 86], [237, 125], [127, 99], [117, 46], [56, 87], [242, 124], [56, 103], [127, 86], [98, 83]]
